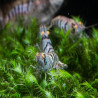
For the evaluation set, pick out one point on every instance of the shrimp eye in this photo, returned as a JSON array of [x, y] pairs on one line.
[[80, 23], [42, 56], [75, 26], [42, 32], [48, 32]]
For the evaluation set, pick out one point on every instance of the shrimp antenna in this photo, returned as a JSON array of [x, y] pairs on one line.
[[91, 26]]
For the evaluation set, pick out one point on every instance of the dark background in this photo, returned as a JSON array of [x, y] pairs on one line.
[[86, 9]]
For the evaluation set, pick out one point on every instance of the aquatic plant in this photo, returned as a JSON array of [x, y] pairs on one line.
[[18, 69]]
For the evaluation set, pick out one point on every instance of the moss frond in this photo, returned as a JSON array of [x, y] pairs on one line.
[[18, 69]]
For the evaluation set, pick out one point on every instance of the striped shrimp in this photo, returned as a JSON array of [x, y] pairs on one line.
[[67, 23], [43, 10], [18, 8], [48, 59]]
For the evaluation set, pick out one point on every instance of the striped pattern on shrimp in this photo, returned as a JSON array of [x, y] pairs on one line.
[[18, 8], [43, 10], [45, 41], [67, 23], [48, 59]]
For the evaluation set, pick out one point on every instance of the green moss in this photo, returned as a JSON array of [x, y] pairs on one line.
[[18, 74]]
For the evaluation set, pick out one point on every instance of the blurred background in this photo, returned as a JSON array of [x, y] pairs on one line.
[[86, 9]]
